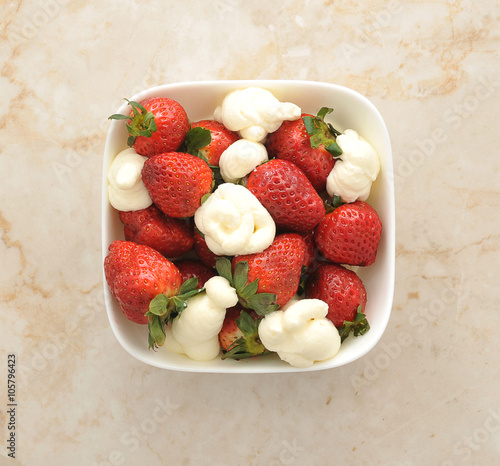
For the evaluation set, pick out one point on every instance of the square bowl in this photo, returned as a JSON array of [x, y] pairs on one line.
[[351, 111]]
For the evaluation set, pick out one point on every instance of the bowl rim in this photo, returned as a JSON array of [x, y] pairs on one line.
[[389, 230]]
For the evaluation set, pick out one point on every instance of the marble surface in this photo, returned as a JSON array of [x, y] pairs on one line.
[[428, 393]]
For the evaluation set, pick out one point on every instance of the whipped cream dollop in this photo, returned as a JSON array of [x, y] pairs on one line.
[[300, 333], [254, 112], [352, 176], [234, 222], [240, 158], [195, 332], [126, 191]]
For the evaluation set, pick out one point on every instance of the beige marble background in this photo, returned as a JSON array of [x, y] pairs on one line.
[[428, 394]]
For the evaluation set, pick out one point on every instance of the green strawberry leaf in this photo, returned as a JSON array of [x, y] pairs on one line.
[[263, 303], [334, 149], [203, 200], [189, 285], [156, 331], [179, 305], [240, 275], [334, 131], [237, 351], [323, 112], [249, 290], [163, 309], [223, 267], [218, 180], [118, 116], [336, 201], [330, 206], [322, 133], [359, 326], [158, 305], [246, 324], [142, 122], [187, 291], [197, 138], [309, 124]]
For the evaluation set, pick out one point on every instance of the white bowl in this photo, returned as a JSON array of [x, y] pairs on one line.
[[351, 110]]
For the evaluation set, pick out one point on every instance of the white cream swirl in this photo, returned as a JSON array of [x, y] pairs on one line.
[[234, 222], [195, 332], [300, 333], [352, 176], [254, 112], [240, 158], [126, 191]]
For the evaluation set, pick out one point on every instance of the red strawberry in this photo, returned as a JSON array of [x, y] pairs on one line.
[[310, 255], [344, 293], [156, 125], [278, 268], [192, 268], [350, 234], [171, 237], [176, 182], [284, 190], [136, 274], [230, 332], [220, 139], [309, 143], [239, 337], [202, 251]]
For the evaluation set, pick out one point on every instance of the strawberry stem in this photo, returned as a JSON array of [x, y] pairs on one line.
[[359, 326], [248, 345], [335, 202], [322, 133], [142, 122]]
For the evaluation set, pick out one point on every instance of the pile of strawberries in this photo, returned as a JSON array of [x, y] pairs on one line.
[[164, 259]]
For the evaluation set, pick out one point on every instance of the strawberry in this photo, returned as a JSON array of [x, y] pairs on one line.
[[239, 336], [171, 237], [350, 234], [310, 143], [277, 268], [230, 332], [176, 182], [155, 125], [310, 255], [345, 295], [192, 268], [284, 190], [309, 260], [136, 274], [202, 251], [211, 143]]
